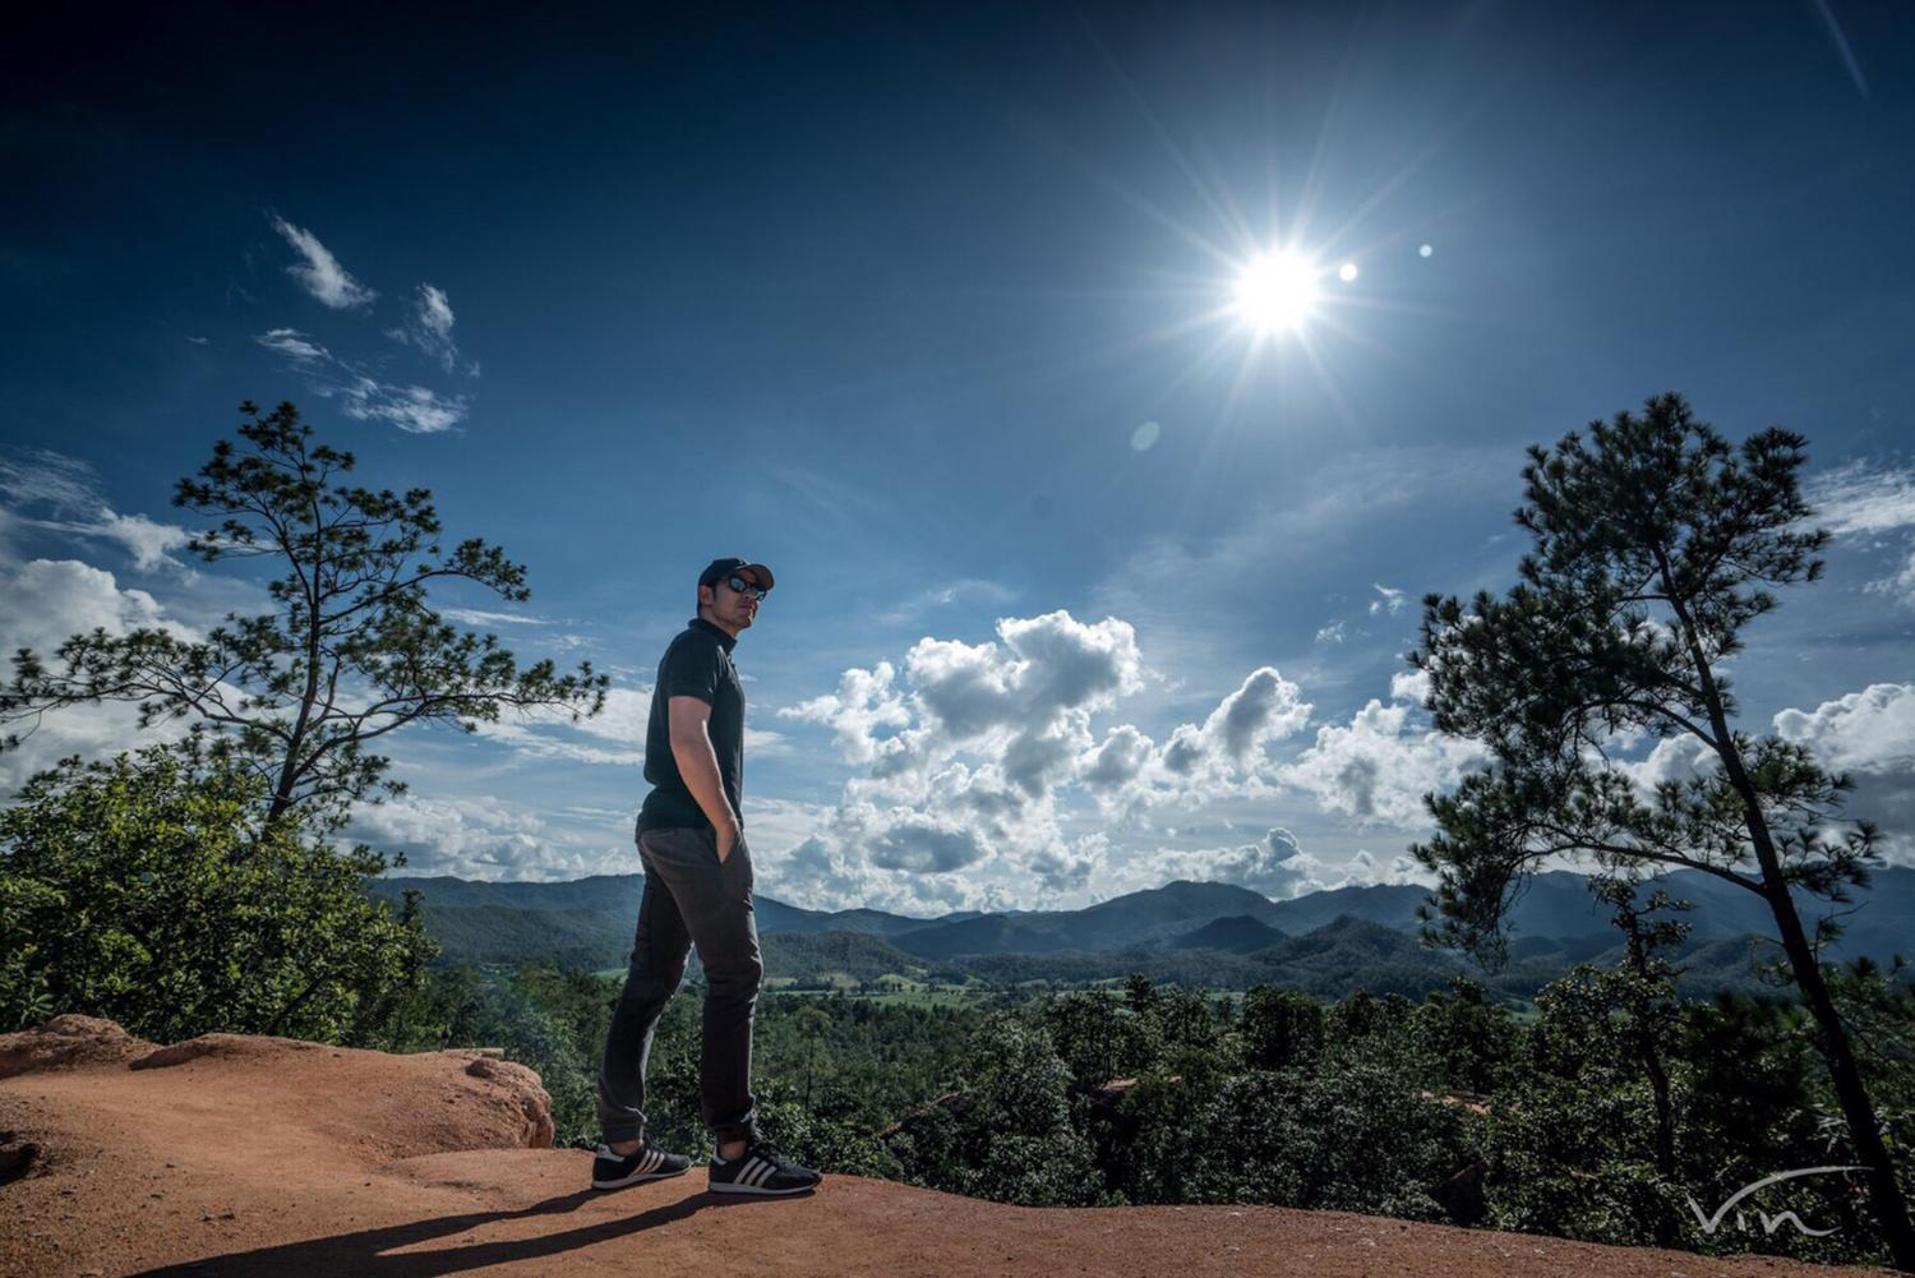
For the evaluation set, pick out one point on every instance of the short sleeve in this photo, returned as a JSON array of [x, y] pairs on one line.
[[691, 670]]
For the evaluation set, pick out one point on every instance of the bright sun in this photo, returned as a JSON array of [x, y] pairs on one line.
[[1277, 292]]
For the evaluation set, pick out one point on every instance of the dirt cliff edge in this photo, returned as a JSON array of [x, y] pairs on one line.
[[236, 1155]]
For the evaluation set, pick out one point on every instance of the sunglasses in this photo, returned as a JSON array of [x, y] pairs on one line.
[[739, 586]]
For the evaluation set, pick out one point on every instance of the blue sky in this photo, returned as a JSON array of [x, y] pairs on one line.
[[933, 310]]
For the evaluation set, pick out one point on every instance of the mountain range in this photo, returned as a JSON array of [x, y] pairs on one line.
[[1215, 933]]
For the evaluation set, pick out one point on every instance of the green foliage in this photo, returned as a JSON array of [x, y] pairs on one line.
[[351, 651], [1359, 1137], [1281, 1029], [1471, 1042], [1008, 1134], [137, 890]]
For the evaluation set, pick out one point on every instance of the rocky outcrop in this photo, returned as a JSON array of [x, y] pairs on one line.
[[68, 1042]]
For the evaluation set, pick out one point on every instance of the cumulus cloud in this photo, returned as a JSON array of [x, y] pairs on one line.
[[1332, 633], [320, 273], [965, 747], [1118, 761], [1410, 685], [864, 704], [48, 601], [1275, 865], [1868, 731], [1376, 768], [428, 328], [1227, 755], [484, 837]]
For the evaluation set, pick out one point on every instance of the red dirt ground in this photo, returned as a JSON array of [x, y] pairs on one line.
[[232, 1155]]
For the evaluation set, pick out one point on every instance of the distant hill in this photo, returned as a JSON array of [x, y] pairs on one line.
[[1216, 934], [1238, 934], [1152, 916]]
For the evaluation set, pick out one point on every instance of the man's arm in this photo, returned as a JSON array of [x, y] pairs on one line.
[[688, 719]]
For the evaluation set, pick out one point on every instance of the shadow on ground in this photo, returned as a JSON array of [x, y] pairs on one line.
[[370, 1252]]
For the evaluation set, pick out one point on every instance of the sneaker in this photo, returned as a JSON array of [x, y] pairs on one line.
[[615, 1171], [760, 1170]]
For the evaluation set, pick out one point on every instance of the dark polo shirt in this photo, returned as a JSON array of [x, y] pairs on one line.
[[696, 664]]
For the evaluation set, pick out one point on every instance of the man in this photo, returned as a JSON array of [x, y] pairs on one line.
[[697, 892]]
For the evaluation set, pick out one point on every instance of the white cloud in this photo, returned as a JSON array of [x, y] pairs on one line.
[[48, 602], [1118, 761], [1332, 633], [1863, 497], [1276, 865], [428, 327], [472, 837], [613, 738], [320, 273], [1376, 769], [480, 617], [1901, 586], [864, 703], [294, 345], [1868, 731], [1868, 500], [66, 492], [1410, 685], [1391, 601], [413, 409], [416, 410]]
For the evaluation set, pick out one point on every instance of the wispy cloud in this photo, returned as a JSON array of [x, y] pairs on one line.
[[480, 617], [969, 590], [294, 345], [320, 272], [51, 491], [1863, 497], [1866, 501], [428, 327], [1391, 601], [417, 410], [413, 409]]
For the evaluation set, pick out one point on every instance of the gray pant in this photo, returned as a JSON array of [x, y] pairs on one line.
[[691, 898]]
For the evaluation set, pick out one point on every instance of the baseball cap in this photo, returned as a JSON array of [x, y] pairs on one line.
[[719, 569]]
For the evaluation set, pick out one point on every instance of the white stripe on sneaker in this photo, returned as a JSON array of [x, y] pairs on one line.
[[764, 1174], [748, 1174], [651, 1161]]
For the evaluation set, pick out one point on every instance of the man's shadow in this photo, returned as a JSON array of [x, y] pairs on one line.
[[363, 1252]]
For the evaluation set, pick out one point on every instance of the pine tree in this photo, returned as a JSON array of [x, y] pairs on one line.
[[1655, 543], [351, 651]]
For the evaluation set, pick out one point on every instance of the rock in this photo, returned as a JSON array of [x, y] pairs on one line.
[[526, 1090], [68, 1042], [226, 1046]]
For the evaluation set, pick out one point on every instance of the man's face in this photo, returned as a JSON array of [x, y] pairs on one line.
[[735, 608]]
